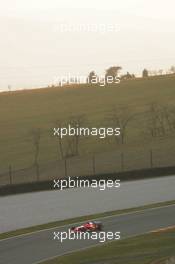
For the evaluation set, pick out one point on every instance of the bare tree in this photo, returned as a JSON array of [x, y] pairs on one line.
[[73, 142], [60, 146], [120, 117], [173, 118], [161, 120], [68, 146], [169, 120], [36, 137]]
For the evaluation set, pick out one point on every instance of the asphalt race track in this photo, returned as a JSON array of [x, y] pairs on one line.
[[40, 246]]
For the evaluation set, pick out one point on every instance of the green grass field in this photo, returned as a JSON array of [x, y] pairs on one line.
[[23, 111], [151, 248]]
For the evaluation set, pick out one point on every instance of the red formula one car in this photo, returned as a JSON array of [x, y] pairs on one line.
[[88, 227]]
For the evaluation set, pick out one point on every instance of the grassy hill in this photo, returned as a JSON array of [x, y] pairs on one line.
[[23, 111]]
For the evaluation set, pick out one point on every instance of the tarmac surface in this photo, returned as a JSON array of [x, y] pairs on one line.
[[39, 246]]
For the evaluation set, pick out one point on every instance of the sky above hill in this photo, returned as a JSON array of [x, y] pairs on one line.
[[42, 39]]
